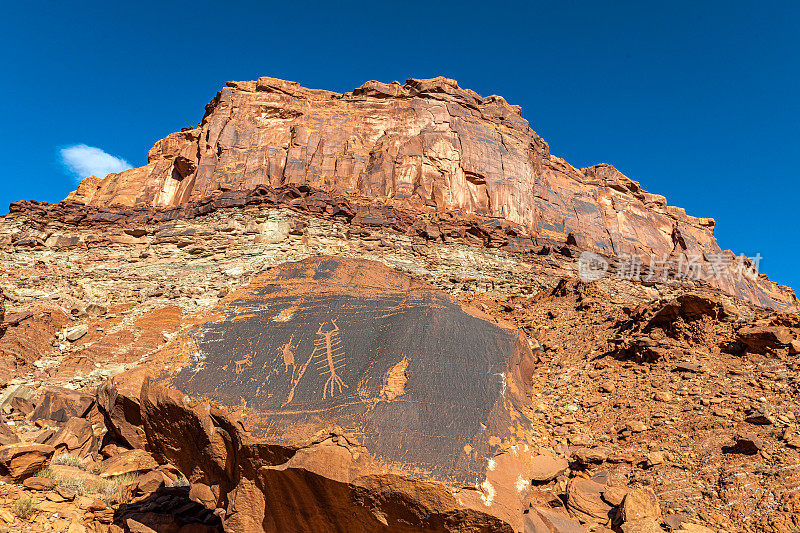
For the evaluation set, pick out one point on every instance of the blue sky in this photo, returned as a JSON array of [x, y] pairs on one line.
[[696, 100]]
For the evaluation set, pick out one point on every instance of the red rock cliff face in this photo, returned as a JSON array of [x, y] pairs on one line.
[[427, 144]]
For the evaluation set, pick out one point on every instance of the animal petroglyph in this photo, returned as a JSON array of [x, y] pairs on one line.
[[328, 349], [242, 363]]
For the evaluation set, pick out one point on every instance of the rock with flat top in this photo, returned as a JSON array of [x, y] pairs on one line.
[[132, 461], [76, 333], [427, 143], [546, 467], [21, 460]]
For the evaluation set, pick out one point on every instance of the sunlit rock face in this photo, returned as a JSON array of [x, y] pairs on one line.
[[425, 145], [354, 383]]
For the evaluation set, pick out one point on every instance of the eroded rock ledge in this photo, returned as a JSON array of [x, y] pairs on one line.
[[47, 225]]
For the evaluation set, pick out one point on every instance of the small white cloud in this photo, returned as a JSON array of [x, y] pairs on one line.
[[83, 160]]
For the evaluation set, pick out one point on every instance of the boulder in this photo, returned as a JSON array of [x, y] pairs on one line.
[[585, 500], [58, 404], [640, 504], [745, 443], [23, 405], [545, 467], [691, 307], [794, 347], [132, 461], [548, 520], [7, 435], [121, 411], [346, 366], [76, 333], [643, 525], [760, 339], [76, 437], [588, 456], [150, 482], [15, 391], [21, 460]]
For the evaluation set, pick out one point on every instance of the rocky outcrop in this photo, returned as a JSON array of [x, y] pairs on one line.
[[347, 395], [428, 145]]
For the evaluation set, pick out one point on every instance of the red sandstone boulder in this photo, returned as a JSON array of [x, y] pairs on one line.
[[39, 483], [58, 404], [128, 462], [759, 339], [7, 435], [76, 438], [346, 367], [546, 467], [119, 405], [21, 460]]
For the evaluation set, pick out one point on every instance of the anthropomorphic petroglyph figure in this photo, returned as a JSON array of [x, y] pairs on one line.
[[328, 349], [287, 350], [328, 353]]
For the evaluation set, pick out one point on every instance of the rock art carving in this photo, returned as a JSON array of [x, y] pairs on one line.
[[328, 347]]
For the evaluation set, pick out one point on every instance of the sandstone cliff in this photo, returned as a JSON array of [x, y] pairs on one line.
[[427, 145]]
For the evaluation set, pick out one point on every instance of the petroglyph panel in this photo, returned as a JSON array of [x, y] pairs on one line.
[[310, 347]]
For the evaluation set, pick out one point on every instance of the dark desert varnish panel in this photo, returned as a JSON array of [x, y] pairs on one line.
[[307, 349]]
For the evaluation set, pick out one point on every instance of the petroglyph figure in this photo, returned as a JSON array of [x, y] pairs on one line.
[[241, 363], [328, 349], [287, 350], [328, 353]]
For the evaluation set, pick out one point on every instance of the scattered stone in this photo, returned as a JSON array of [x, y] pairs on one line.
[[609, 387], [744, 443], [636, 426], [587, 456], [76, 333], [7, 516], [662, 396], [643, 525], [654, 458], [687, 366], [758, 417], [66, 493], [794, 347], [792, 438], [7, 435], [690, 527], [96, 310]]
